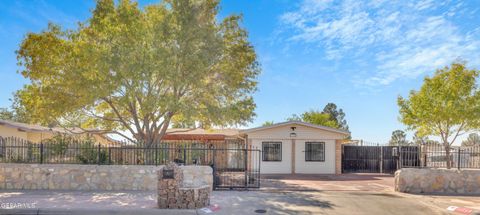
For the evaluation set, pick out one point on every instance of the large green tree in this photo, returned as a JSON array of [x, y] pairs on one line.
[[447, 105], [337, 115], [134, 69], [315, 117]]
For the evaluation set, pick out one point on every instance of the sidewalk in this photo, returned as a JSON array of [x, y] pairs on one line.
[[82, 202], [84, 211], [236, 202]]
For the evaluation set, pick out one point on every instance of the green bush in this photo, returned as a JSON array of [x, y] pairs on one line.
[[89, 154]]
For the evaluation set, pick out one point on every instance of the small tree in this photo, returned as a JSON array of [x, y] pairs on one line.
[[268, 123], [16, 113], [472, 140], [399, 138], [420, 140], [447, 105], [59, 143]]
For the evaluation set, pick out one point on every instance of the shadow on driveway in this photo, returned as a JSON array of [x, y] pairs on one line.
[[344, 182], [246, 202]]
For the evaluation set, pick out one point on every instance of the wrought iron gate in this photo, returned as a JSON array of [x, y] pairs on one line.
[[378, 159], [236, 168]]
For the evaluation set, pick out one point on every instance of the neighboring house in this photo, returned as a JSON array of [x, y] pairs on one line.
[[201, 134], [297, 147], [37, 133], [220, 139]]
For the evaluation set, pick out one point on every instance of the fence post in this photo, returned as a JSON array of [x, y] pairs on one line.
[[98, 155], [41, 153], [400, 159], [215, 182], [245, 167], [185, 155], [156, 159], [381, 159], [458, 159], [109, 155]]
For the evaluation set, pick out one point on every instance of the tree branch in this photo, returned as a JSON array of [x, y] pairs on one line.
[[124, 123]]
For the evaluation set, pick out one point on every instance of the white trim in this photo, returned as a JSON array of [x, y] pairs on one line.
[[246, 131]]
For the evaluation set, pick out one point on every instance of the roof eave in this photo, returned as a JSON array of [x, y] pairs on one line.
[[246, 131]]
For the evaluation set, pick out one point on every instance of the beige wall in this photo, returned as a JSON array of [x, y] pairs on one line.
[[37, 137], [12, 132], [304, 134]]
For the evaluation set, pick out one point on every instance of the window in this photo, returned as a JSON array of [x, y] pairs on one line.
[[272, 151], [314, 151]]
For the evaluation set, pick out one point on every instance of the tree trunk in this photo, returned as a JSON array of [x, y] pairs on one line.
[[149, 151], [447, 155]]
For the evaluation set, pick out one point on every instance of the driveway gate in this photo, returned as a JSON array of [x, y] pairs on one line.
[[378, 159], [236, 168]]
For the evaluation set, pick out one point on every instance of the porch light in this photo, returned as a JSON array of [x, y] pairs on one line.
[[293, 134]]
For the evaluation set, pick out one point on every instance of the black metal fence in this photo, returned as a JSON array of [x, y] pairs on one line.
[[234, 165], [433, 155], [368, 158], [384, 158], [71, 151]]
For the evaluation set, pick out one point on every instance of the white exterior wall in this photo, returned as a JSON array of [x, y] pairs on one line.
[[276, 167], [304, 134], [315, 167]]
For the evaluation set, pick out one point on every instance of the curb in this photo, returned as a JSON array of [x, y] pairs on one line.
[[82, 211]]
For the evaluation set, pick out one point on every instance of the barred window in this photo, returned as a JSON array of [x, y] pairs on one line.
[[314, 151], [272, 151]]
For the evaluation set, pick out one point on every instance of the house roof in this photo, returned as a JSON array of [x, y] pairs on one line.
[[199, 134], [226, 132], [24, 126], [38, 128], [306, 124]]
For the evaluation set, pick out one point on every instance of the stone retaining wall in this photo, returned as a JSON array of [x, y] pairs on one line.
[[195, 176], [91, 177], [173, 194], [77, 177], [438, 181]]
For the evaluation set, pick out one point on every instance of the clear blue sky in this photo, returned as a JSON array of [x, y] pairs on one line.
[[358, 55]]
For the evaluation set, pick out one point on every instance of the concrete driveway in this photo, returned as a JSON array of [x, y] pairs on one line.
[[344, 182], [323, 194], [300, 194], [347, 193]]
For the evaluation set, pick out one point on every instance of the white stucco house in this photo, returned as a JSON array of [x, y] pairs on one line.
[[296, 147]]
